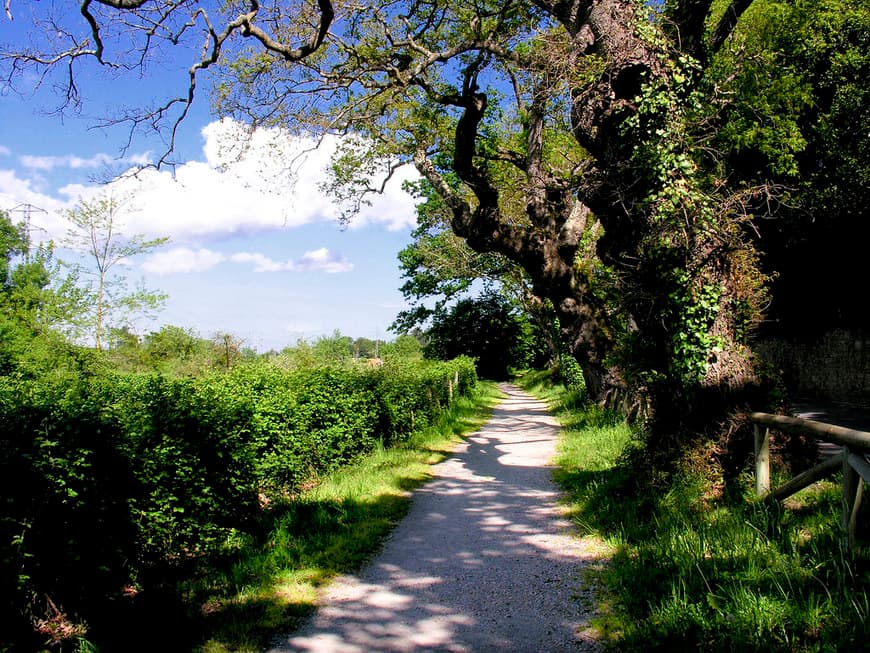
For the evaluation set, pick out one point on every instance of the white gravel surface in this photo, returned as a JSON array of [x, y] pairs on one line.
[[482, 562]]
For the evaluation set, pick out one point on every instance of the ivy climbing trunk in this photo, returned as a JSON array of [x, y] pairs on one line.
[[689, 285]]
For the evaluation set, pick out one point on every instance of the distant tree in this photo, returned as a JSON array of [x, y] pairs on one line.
[[123, 339], [96, 232], [13, 242], [299, 356], [35, 289], [249, 354], [227, 349], [173, 342], [365, 348], [487, 328], [404, 347], [440, 268], [333, 349], [38, 300]]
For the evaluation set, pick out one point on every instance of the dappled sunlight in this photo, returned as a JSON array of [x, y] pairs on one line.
[[484, 558]]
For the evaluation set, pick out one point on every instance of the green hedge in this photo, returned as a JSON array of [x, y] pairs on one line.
[[106, 478]]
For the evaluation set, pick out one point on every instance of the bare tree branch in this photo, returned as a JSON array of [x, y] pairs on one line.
[[150, 26], [686, 23], [728, 22]]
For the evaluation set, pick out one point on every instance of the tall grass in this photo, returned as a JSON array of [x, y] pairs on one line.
[[690, 572], [270, 584]]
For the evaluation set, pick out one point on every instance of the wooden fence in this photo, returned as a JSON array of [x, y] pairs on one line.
[[852, 462]]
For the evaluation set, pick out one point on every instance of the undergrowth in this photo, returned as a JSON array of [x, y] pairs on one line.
[[691, 572]]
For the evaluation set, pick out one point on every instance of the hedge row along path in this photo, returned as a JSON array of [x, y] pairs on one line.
[[484, 561]]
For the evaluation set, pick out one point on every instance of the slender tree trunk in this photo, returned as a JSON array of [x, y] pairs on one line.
[[99, 325]]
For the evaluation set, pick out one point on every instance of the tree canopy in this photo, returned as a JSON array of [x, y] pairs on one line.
[[489, 329], [624, 156]]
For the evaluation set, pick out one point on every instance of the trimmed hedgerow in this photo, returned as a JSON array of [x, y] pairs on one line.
[[106, 478]]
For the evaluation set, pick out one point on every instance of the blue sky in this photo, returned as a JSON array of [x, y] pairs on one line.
[[255, 247]]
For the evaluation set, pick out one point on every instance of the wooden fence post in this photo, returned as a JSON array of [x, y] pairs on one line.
[[855, 463], [853, 489], [762, 460]]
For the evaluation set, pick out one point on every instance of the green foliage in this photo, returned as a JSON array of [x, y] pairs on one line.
[[570, 373], [338, 350], [693, 318], [365, 348], [334, 349], [271, 582], [176, 351], [414, 392], [804, 84], [405, 347], [438, 267], [13, 242], [35, 296], [35, 301], [96, 232], [173, 344], [113, 480], [487, 329], [692, 567]]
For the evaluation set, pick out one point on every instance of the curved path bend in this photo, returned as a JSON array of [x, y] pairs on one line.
[[483, 561]]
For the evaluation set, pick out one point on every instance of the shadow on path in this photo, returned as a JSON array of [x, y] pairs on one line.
[[482, 562]]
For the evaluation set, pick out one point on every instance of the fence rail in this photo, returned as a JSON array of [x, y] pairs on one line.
[[852, 462]]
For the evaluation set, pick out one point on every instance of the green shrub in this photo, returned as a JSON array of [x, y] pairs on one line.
[[111, 480], [66, 532]]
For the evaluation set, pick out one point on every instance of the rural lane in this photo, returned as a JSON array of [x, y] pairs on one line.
[[484, 560]]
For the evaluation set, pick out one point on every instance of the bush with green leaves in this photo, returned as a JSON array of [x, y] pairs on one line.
[[570, 373], [415, 391], [109, 480]]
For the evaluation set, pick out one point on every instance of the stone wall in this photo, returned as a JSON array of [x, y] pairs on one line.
[[833, 366]]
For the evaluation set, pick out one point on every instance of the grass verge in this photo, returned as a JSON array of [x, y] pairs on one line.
[[692, 573], [271, 583]]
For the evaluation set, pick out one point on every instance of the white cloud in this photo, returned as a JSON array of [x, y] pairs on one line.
[[14, 190], [17, 194], [320, 260], [262, 263], [5, 151], [182, 260], [270, 181], [394, 209], [324, 260], [46, 163]]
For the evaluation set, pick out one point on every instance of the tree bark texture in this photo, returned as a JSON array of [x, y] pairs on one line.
[[615, 192]]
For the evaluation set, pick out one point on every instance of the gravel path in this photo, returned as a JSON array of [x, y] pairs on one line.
[[482, 562]]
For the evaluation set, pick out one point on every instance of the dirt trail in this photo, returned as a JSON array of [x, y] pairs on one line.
[[482, 562]]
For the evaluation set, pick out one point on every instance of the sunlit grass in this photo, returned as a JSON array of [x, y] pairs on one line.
[[690, 573], [332, 528]]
